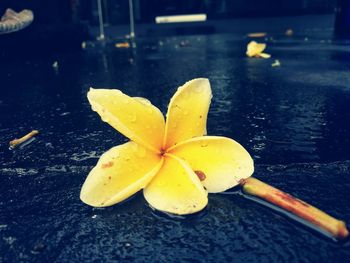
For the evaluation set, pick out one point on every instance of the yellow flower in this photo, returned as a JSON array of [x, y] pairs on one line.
[[173, 162], [255, 49]]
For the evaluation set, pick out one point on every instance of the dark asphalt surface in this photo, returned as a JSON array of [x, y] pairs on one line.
[[293, 119]]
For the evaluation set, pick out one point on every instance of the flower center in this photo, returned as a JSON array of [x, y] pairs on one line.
[[162, 151]]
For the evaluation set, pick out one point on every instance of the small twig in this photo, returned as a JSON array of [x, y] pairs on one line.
[[257, 34], [14, 143], [335, 227], [122, 45]]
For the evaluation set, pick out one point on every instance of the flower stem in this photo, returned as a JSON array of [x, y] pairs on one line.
[[333, 226]]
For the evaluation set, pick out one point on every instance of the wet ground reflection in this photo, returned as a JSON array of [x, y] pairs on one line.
[[293, 119]]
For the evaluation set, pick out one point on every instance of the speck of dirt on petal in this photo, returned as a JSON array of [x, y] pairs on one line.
[[201, 175], [107, 165]]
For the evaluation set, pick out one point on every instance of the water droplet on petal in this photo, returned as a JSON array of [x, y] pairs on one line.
[[198, 89], [204, 144], [116, 155], [132, 118], [147, 102], [185, 112]]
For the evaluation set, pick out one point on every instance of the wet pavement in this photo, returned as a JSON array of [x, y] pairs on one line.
[[293, 119]]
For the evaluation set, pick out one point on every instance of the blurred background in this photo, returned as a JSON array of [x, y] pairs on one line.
[[291, 112], [64, 24], [117, 11]]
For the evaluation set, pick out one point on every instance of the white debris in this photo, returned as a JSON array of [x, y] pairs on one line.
[[276, 63]]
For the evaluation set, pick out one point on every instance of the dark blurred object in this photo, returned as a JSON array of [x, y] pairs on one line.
[[342, 20], [12, 21], [46, 12], [43, 40], [56, 28]]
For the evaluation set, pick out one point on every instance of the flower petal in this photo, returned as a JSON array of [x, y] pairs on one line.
[[176, 189], [187, 112], [264, 55], [137, 119], [254, 48], [120, 172], [221, 162]]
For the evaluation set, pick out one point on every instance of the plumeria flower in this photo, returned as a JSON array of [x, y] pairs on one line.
[[255, 49], [173, 161]]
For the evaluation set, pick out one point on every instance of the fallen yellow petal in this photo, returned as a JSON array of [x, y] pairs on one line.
[[141, 122], [119, 173], [264, 55], [187, 112], [221, 161], [255, 49], [176, 189]]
